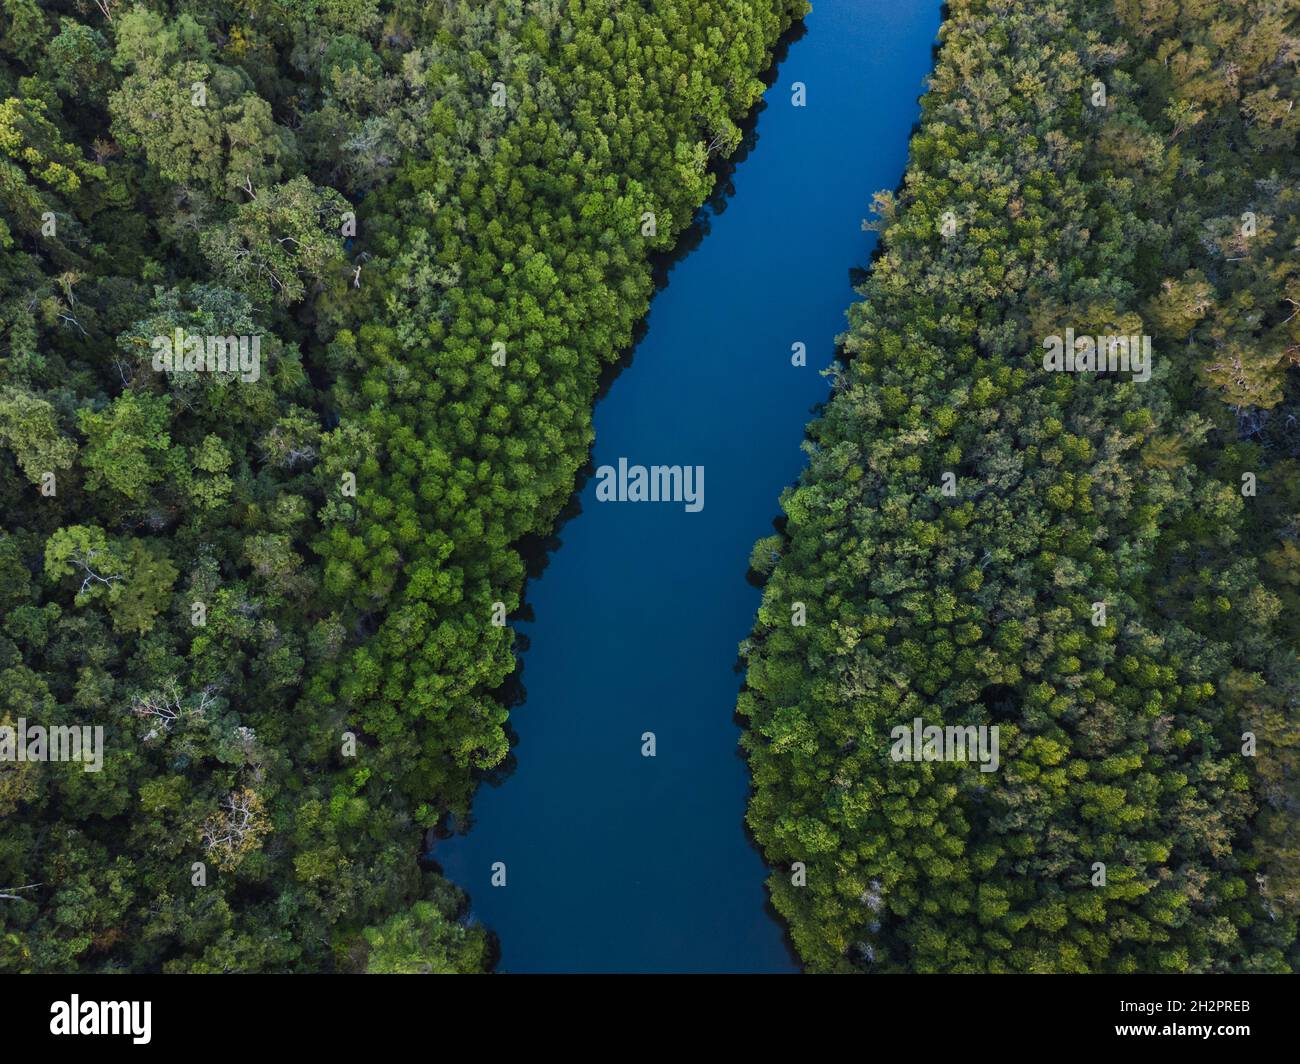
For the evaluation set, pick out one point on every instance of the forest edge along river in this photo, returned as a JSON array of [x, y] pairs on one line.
[[605, 858]]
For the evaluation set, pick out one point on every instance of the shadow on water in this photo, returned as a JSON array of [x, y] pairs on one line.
[[536, 550]]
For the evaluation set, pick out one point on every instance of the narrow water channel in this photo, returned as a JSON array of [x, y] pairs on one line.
[[617, 862]]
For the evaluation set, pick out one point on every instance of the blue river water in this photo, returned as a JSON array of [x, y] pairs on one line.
[[617, 862]]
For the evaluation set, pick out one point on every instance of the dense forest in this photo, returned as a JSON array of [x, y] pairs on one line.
[[280, 581], [304, 305], [1115, 167]]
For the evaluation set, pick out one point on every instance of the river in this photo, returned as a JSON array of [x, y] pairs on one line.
[[614, 861]]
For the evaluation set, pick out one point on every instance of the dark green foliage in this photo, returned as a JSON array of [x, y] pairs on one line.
[[179, 170]]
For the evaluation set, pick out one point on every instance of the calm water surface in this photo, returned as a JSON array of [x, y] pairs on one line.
[[618, 862]]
